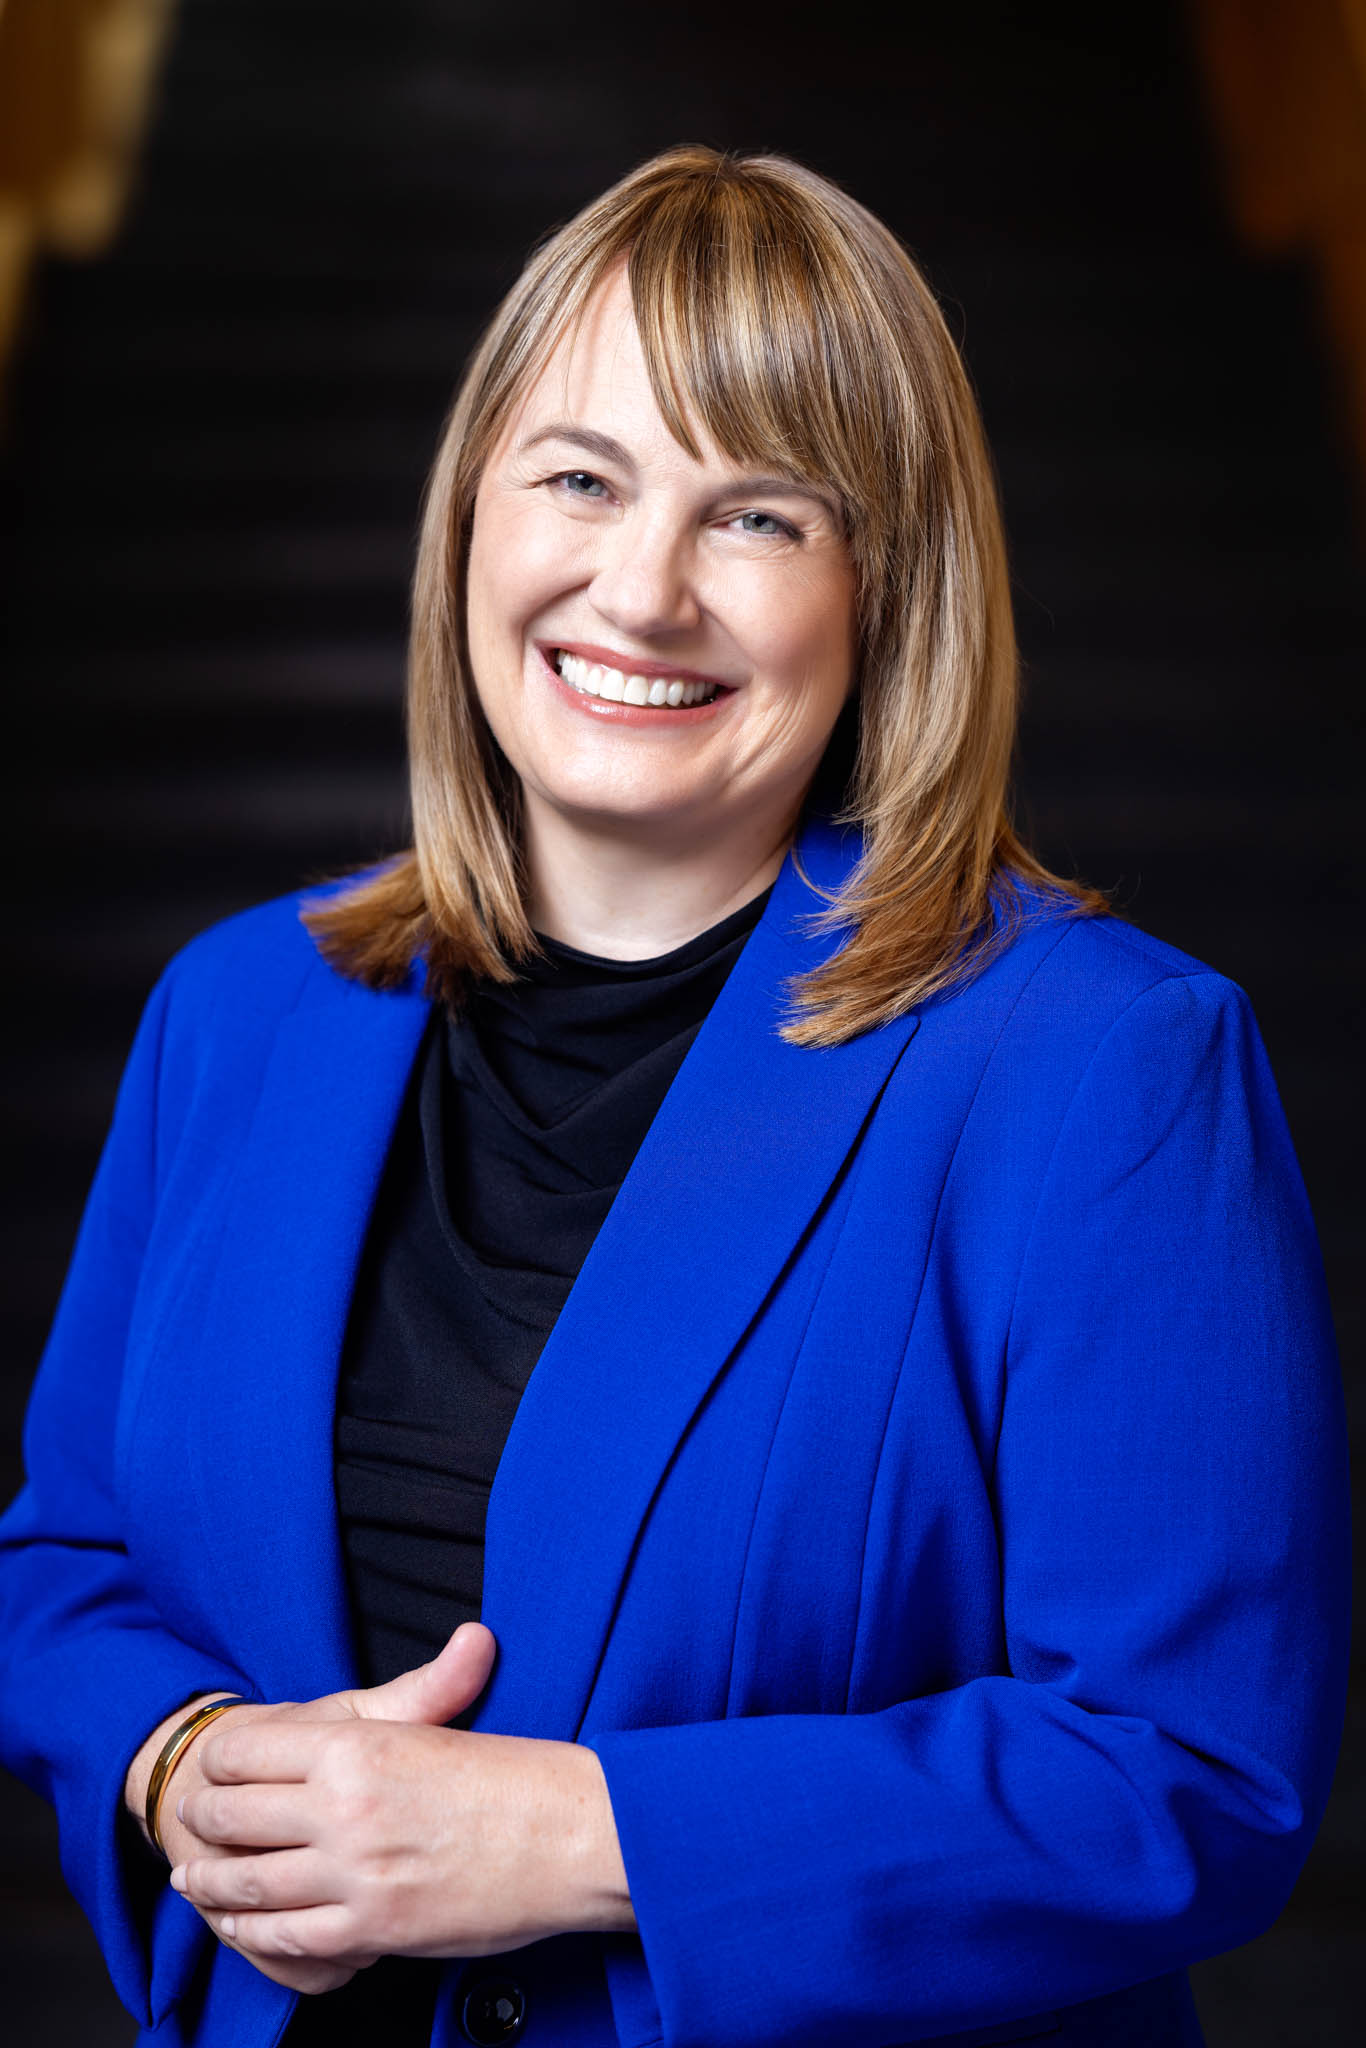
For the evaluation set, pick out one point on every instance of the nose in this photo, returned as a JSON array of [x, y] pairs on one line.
[[644, 584]]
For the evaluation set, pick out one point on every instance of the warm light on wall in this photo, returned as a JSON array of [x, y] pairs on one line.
[[1287, 83], [75, 83]]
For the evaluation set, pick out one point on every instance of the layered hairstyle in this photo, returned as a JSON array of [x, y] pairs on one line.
[[789, 325]]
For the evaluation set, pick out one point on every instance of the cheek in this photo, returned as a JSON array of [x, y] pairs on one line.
[[798, 626], [490, 593], [812, 658], [523, 556], [490, 585], [507, 585]]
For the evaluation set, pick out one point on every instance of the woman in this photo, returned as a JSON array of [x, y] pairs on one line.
[[916, 1565]]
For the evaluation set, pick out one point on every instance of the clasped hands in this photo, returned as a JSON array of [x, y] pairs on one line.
[[316, 1837]]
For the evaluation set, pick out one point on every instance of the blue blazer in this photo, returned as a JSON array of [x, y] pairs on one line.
[[930, 1504]]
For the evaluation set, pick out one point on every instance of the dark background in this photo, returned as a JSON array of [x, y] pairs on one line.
[[209, 484]]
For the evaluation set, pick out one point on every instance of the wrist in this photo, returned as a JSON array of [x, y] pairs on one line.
[[174, 1751], [138, 1780], [596, 1871]]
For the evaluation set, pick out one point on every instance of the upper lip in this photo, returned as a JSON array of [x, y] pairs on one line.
[[633, 664]]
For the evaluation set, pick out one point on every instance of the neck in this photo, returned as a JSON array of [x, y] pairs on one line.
[[602, 891]]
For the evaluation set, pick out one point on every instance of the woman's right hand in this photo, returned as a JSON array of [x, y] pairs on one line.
[[180, 1841], [432, 1695]]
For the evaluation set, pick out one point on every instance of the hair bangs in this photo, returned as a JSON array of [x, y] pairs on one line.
[[740, 332]]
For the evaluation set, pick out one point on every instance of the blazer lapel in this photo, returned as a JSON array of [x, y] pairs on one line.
[[295, 1225], [738, 1160]]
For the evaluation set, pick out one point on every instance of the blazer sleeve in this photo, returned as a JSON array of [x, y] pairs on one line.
[[1139, 1786], [89, 1667]]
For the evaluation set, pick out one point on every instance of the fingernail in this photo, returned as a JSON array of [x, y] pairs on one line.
[[228, 1926], [180, 1808], [178, 1878]]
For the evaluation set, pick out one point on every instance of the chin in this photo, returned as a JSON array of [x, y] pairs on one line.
[[615, 808]]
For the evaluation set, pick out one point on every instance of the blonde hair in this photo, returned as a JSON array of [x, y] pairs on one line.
[[791, 324]]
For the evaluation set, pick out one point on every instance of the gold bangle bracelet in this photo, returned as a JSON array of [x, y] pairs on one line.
[[172, 1751]]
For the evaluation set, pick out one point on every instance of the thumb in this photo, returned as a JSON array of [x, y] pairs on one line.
[[435, 1693]]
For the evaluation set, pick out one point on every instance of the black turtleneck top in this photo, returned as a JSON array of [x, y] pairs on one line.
[[520, 1123]]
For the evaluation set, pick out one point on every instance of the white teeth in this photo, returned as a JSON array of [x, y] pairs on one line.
[[596, 681], [586, 675]]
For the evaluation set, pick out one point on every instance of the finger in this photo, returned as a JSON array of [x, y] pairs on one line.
[[435, 1693], [319, 1934], [264, 1752], [285, 1879], [310, 1978], [251, 1816]]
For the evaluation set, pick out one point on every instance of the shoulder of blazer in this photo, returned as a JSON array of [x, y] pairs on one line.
[[264, 958], [227, 993], [1116, 954], [1011, 1047], [1092, 967], [1087, 969]]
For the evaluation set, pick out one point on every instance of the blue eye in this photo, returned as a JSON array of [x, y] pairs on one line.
[[581, 483], [771, 528]]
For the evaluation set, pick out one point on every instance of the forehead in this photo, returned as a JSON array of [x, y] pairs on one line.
[[596, 376]]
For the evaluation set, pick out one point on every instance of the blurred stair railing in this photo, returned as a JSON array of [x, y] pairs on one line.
[[75, 85], [1287, 82]]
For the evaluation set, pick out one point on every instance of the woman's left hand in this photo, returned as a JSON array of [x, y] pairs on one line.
[[381, 1837]]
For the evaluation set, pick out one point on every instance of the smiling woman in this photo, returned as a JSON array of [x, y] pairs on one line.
[[780, 447], [795, 1488]]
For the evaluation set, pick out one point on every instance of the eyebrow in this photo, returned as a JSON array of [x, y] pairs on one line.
[[582, 437], [609, 450]]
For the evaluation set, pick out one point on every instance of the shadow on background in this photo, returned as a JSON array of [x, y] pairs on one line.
[[215, 451]]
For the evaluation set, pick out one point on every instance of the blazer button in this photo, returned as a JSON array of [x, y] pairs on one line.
[[494, 2010]]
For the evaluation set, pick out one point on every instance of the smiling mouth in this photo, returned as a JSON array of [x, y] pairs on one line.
[[618, 686]]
